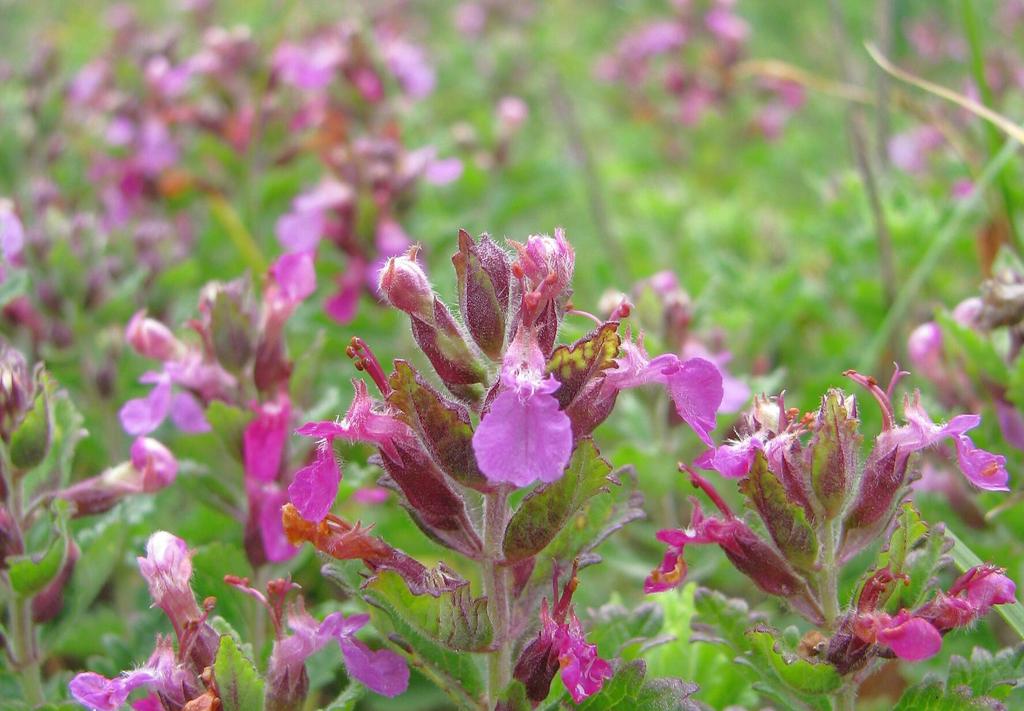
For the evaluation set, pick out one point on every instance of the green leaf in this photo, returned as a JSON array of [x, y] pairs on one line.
[[29, 575], [454, 673], [513, 698], [15, 284], [922, 564], [801, 675], [965, 559], [348, 698], [786, 520], [621, 632], [628, 690], [451, 618], [977, 352], [931, 695], [588, 527], [238, 683], [65, 434], [546, 509], [228, 423], [442, 425], [987, 674], [31, 441], [909, 532]]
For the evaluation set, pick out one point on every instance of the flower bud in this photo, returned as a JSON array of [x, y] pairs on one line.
[[157, 466], [229, 330], [15, 390], [405, 285], [884, 474], [484, 275], [151, 338], [832, 453], [924, 347], [31, 439], [10, 537]]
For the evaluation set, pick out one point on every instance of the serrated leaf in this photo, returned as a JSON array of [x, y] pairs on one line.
[[628, 690], [922, 565], [931, 695], [546, 509], [801, 675], [65, 434], [443, 426], [596, 519], [31, 440], [987, 674], [454, 673], [977, 352], [576, 364], [452, 618], [238, 683], [786, 520], [28, 575]]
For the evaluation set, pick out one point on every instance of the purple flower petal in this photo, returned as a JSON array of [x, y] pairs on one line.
[[381, 671], [523, 439], [983, 469], [695, 386], [143, 415], [444, 171], [102, 694], [264, 438], [188, 414], [295, 275], [342, 305], [276, 546], [911, 638], [300, 231], [315, 486]]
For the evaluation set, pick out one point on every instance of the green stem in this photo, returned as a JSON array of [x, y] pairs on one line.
[[846, 698], [24, 646], [499, 662]]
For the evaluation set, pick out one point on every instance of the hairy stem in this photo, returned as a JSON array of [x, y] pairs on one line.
[[499, 662]]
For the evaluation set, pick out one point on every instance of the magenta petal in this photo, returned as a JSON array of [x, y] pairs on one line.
[[98, 692], [275, 542], [912, 639], [444, 171], [523, 439], [263, 440], [295, 275], [983, 469], [695, 386], [188, 415], [343, 304], [315, 486], [300, 231], [143, 415], [383, 671], [732, 460]]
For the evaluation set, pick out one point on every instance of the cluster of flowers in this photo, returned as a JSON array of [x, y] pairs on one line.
[[538, 404], [699, 46], [821, 505], [181, 676], [239, 359]]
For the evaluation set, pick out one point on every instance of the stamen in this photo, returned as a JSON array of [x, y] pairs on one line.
[[884, 402], [365, 361]]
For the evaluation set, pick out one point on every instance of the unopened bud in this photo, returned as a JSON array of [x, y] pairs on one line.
[[31, 440], [832, 453], [15, 390], [484, 275], [229, 327], [157, 466], [405, 285], [152, 339]]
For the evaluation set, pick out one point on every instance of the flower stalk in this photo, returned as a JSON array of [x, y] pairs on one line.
[[499, 662]]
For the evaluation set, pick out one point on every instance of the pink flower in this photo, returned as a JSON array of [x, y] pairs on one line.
[[12, 233], [909, 150], [382, 671], [525, 436], [925, 348], [310, 67], [409, 65], [315, 486], [983, 469], [910, 638], [155, 462], [151, 338], [141, 416], [301, 229], [167, 569], [101, 694], [341, 306], [294, 275], [695, 384], [264, 438], [268, 500]]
